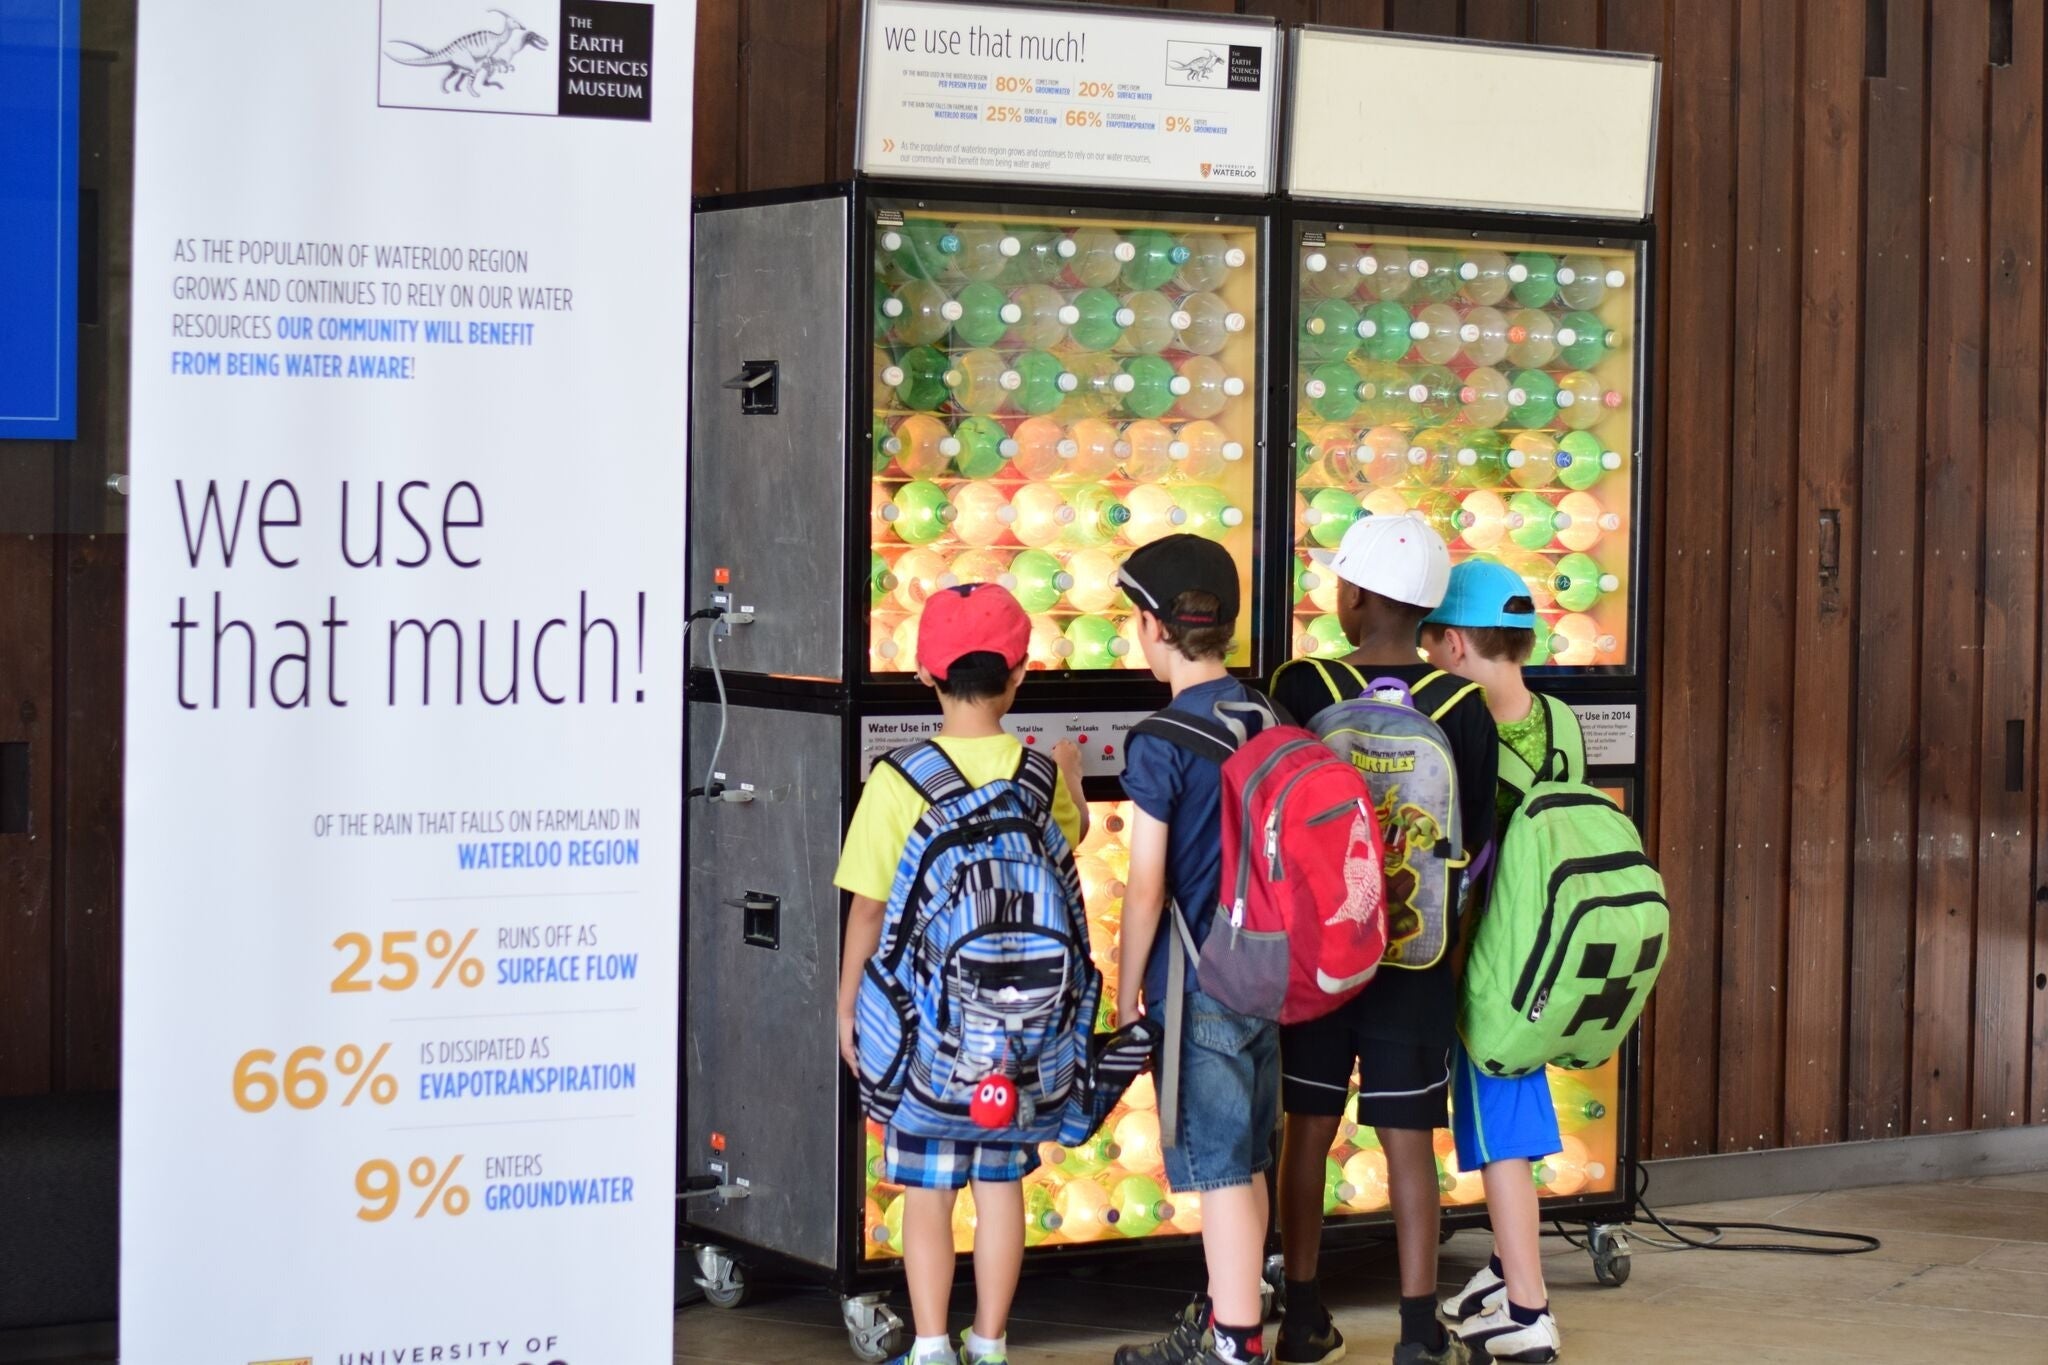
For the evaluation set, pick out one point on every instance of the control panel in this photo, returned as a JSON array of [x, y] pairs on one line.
[[1098, 734]]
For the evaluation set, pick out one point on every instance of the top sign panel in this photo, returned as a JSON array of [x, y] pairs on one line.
[[1511, 129], [1068, 97]]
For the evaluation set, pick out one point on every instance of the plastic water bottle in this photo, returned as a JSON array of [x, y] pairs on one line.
[[1153, 389], [1484, 397], [1583, 401], [1583, 461], [919, 379], [1532, 459], [1041, 580], [1435, 272], [1577, 640], [1038, 383], [1147, 320], [1533, 277], [982, 514], [1484, 336], [915, 311], [881, 583], [1333, 455], [1209, 451], [1329, 331], [1332, 391], [915, 445], [1034, 448], [1582, 340], [1044, 257], [1155, 259], [1433, 457], [1205, 323], [1582, 281], [1091, 320], [1483, 519], [1038, 326], [1483, 277], [1094, 586], [1435, 392], [919, 573], [1099, 257], [1384, 269], [1532, 521], [1385, 331], [977, 314], [1330, 514], [1204, 387], [1580, 582], [1383, 389], [1099, 516], [1532, 399], [1532, 339], [1325, 638], [1331, 271], [1141, 1206], [1210, 512], [1091, 450], [1435, 331], [924, 512], [1042, 515], [914, 248], [1148, 452], [1209, 263], [1383, 456], [1584, 522], [1100, 387], [1097, 644], [975, 380], [976, 448], [1154, 513], [980, 251], [1482, 459]]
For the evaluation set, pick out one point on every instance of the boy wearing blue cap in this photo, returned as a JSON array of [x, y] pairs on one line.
[[1483, 631]]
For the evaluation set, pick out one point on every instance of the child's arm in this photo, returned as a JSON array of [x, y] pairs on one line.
[[1144, 904], [863, 936], [1068, 756]]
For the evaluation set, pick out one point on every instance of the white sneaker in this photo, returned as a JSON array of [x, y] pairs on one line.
[[1484, 1291], [1495, 1335]]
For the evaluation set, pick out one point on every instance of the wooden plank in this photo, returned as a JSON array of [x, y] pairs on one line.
[[27, 716], [846, 45], [1423, 16], [1888, 601], [1641, 28], [1498, 21], [1766, 371], [1204, 6], [1571, 23], [786, 126], [1286, 11], [715, 155], [87, 1006], [1951, 607], [1691, 482], [1824, 619], [2012, 530], [1353, 13]]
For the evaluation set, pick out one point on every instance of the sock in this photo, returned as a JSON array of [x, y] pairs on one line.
[[980, 1347], [1419, 1324], [1304, 1304], [928, 1349], [1493, 1264], [1240, 1343], [1525, 1317]]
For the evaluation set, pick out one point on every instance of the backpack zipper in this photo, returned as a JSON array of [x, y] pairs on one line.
[[1559, 800], [1571, 927], [1244, 853], [1566, 870], [1274, 872]]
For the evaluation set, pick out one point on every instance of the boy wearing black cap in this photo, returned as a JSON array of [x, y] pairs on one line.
[[1185, 590]]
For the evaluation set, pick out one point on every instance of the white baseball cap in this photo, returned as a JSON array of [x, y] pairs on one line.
[[1401, 557]]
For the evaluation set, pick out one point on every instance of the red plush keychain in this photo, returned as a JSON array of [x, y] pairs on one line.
[[995, 1102]]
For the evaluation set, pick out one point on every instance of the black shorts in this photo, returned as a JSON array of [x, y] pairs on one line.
[[1400, 1085]]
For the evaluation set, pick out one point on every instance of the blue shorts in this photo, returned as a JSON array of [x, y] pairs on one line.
[[939, 1164], [1498, 1118], [1229, 1097]]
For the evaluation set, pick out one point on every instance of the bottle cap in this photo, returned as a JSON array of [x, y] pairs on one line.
[[1123, 383], [1232, 386], [1517, 334], [1517, 397], [1516, 459], [890, 511], [1315, 263], [1126, 252], [893, 376], [888, 650], [1177, 517], [1567, 336], [1233, 322], [1418, 329], [1177, 450], [1418, 393], [1182, 319], [1609, 521], [1009, 447], [951, 310], [1311, 580], [1234, 257], [1468, 271], [950, 244], [1011, 313], [1562, 520], [1068, 382], [1418, 455], [1312, 516], [1469, 333], [949, 579], [892, 241], [1123, 450], [1117, 649], [1468, 394], [1012, 381], [947, 512], [1231, 516], [1314, 327], [1518, 273], [1418, 267], [1009, 246], [1368, 329], [1007, 581], [1468, 457], [1611, 398], [1066, 249], [1179, 255], [1608, 582], [1068, 448], [1233, 450], [1567, 275], [892, 308], [1069, 315], [1126, 316], [1315, 388], [1566, 398], [1368, 264], [1179, 385], [950, 446], [1615, 279], [1610, 460], [1064, 515], [1006, 514], [1063, 580]]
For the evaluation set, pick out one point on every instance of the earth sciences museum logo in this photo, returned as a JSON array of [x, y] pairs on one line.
[[583, 59]]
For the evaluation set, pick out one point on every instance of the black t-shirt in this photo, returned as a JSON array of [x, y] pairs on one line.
[[1401, 1005]]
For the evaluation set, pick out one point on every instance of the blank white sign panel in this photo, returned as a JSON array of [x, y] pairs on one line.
[[1521, 129]]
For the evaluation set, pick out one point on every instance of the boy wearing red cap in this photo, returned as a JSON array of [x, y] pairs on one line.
[[971, 646]]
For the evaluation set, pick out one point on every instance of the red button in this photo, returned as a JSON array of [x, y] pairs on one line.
[[1084, 739], [1031, 739], [1108, 749]]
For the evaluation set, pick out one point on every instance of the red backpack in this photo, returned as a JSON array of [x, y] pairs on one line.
[[1301, 922]]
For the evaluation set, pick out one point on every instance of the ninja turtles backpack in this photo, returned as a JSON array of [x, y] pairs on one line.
[[1390, 734], [1576, 927]]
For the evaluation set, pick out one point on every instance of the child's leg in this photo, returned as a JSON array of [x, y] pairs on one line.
[[998, 1253], [1304, 1153], [1234, 1245], [1517, 1230], [1413, 1192], [928, 1256]]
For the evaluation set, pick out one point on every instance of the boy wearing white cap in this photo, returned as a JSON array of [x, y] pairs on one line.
[[1398, 1034]]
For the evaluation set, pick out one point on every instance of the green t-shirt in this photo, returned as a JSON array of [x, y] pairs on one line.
[[1529, 739]]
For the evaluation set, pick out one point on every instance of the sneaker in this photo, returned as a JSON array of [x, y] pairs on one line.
[[1494, 1335], [1189, 1343], [1454, 1352], [1300, 1346], [967, 1357], [1484, 1291]]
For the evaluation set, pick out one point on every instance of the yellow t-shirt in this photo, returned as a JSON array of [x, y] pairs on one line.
[[890, 808]]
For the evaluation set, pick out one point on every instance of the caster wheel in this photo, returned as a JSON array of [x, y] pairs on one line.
[[723, 1280], [877, 1350], [873, 1331], [1275, 1273], [1611, 1259]]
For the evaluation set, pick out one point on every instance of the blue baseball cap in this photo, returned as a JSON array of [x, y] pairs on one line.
[[1484, 593]]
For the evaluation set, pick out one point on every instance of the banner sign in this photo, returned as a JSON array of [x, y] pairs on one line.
[[404, 692], [1068, 97], [39, 220]]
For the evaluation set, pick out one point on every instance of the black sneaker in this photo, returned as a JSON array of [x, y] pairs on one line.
[[1188, 1343], [1453, 1352], [1300, 1346]]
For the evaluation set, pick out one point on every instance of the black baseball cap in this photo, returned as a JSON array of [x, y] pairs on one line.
[[1158, 573]]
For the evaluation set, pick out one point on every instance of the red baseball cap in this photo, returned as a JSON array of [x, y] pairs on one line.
[[971, 619]]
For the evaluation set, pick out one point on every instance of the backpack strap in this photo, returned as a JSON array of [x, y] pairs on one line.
[[1337, 694], [1438, 712], [930, 773], [1037, 774], [1200, 736]]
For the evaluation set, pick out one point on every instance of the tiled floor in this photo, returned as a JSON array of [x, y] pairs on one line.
[[1963, 1276]]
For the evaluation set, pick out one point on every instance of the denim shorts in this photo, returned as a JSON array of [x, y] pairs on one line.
[[1229, 1097]]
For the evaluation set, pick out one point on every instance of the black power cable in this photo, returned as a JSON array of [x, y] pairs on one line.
[[1858, 1243]]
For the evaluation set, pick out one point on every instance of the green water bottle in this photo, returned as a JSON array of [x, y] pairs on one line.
[[1533, 274], [1210, 513], [1098, 516], [880, 581], [1332, 390], [1038, 383], [919, 379], [976, 313], [1092, 320], [1583, 339], [923, 512], [1152, 384], [1583, 461], [1097, 644], [1327, 638], [1384, 330], [1140, 1204], [1041, 580], [1383, 398], [1482, 460], [1532, 522], [1532, 399], [1330, 514], [914, 247], [1580, 582], [977, 449], [1155, 258]]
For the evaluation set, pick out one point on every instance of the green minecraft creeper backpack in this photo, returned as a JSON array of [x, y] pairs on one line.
[[1575, 932]]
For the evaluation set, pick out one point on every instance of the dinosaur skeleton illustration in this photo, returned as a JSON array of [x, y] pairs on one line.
[[1199, 68], [474, 60]]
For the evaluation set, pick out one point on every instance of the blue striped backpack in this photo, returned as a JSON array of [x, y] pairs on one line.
[[983, 973]]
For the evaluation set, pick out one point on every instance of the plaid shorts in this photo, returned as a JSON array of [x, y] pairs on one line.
[[941, 1164]]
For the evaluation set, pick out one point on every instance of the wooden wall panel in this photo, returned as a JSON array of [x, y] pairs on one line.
[[1353, 13], [1824, 654], [1694, 477], [2011, 591], [715, 153], [1501, 21], [27, 717], [788, 126], [1567, 23], [1950, 599], [1423, 16]]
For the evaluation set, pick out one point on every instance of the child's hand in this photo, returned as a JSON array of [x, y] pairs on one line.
[[847, 1051], [1068, 755]]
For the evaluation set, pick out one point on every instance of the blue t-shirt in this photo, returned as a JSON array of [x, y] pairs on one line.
[[1185, 792]]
